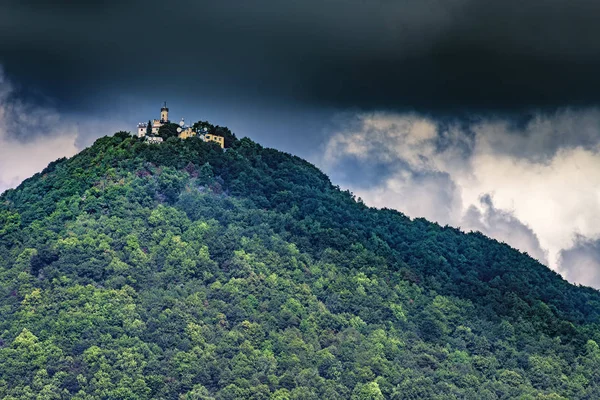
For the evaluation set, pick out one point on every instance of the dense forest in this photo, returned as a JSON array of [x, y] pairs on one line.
[[182, 271]]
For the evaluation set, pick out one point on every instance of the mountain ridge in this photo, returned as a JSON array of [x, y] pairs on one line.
[[189, 227]]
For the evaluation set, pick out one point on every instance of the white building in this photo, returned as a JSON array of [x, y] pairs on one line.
[[154, 139], [142, 127], [184, 131]]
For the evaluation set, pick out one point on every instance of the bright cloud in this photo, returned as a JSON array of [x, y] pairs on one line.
[[535, 186], [21, 157], [581, 263], [31, 135]]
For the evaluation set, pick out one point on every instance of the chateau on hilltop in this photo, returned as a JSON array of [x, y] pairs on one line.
[[183, 131], [156, 123]]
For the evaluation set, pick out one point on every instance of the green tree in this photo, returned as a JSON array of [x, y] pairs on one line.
[[182, 271], [368, 391], [168, 130]]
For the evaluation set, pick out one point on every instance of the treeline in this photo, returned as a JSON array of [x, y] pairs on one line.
[[184, 272]]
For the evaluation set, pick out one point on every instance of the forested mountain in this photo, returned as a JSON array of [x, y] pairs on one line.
[[179, 271]]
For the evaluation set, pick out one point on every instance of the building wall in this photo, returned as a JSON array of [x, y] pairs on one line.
[[141, 129], [156, 124], [215, 138], [187, 133], [154, 140]]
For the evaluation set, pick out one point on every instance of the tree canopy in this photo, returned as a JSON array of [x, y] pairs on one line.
[[168, 130], [181, 271]]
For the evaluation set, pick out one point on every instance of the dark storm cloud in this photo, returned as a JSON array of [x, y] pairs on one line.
[[428, 54]]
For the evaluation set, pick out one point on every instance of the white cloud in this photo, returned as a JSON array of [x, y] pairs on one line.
[[544, 175], [503, 226], [32, 135], [556, 198], [417, 178], [432, 195], [581, 262], [21, 157]]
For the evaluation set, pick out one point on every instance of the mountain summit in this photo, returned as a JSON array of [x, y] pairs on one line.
[[182, 271]]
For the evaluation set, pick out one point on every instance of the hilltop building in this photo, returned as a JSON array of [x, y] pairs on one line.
[[142, 127], [186, 131], [207, 137], [154, 139], [183, 132]]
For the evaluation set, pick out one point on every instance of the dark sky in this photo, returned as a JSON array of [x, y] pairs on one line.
[[430, 55]]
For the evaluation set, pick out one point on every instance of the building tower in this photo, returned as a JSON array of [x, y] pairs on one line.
[[164, 114]]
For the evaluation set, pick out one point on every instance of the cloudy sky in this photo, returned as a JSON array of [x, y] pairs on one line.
[[483, 115]]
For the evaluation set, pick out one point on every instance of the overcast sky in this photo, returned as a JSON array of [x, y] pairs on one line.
[[483, 115]]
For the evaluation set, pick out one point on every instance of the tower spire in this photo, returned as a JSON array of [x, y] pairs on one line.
[[164, 113]]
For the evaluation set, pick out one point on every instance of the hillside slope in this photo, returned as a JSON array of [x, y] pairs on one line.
[[183, 272]]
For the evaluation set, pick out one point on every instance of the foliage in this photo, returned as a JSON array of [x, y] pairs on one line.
[[207, 127], [168, 130], [181, 271]]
